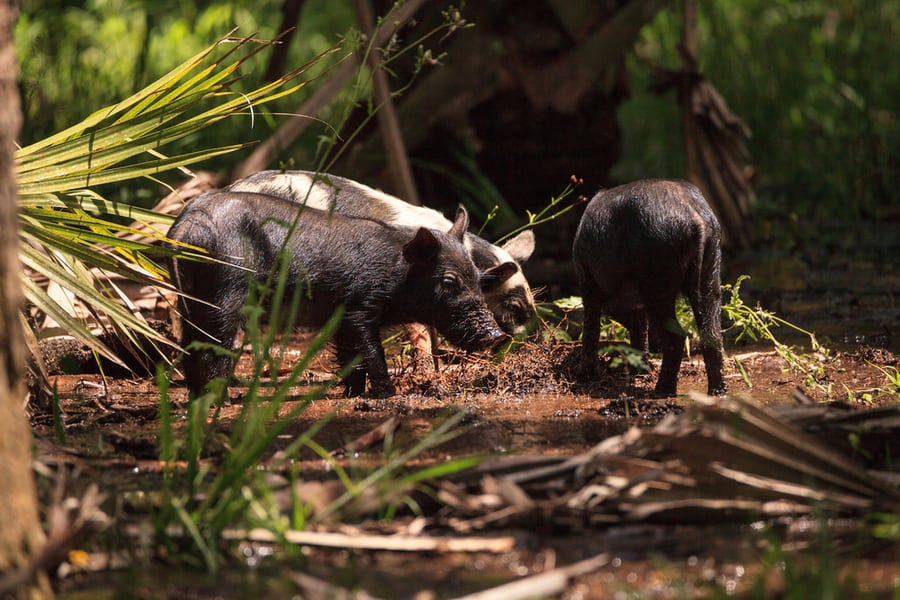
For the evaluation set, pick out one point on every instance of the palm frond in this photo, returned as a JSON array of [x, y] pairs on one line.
[[72, 236]]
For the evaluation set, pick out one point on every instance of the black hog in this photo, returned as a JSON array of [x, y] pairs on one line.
[[380, 274], [505, 287], [637, 248]]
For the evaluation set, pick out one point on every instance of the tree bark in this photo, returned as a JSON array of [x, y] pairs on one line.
[[20, 531], [689, 53], [713, 141], [530, 92]]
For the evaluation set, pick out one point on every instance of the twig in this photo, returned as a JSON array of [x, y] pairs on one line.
[[317, 589], [394, 145], [545, 584], [397, 543], [368, 439], [322, 97]]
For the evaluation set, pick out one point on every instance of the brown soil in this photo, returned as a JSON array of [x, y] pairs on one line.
[[526, 403]]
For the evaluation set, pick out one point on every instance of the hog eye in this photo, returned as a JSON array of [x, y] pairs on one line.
[[519, 309], [451, 283]]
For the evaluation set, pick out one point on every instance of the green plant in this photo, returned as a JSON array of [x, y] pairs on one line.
[[810, 573], [885, 526], [554, 209], [74, 237], [556, 317], [757, 324], [743, 42], [204, 501], [632, 359], [83, 55], [390, 483], [892, 374], [210, 496]]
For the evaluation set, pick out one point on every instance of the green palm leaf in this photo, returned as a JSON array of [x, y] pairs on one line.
[[74, 237]]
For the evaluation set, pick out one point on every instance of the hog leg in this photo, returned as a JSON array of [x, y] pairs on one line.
[[422, 342], [354, 382], [380, 385], [209, 325], [706, 304], [661, 313], [635, 321], [711, 345], [590, 297], [638, 326], [359, 336]]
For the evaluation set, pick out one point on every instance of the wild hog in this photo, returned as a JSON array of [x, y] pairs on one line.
[[381, 274], [506, 289], [637, 248]]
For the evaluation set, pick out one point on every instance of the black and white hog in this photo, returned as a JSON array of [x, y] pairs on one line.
[[506, 290], [381, 274], [637, 247]]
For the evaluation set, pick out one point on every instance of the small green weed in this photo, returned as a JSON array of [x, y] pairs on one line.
[[757, 324], [892, 374], [556, 316], [812, 573], [885, 526], [225, 489], [753, 323], [204, 500]]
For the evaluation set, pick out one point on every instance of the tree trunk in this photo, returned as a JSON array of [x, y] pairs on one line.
[[20, 532], [290, 15]]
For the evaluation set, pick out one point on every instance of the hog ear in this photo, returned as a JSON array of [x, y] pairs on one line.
[[422, 249], [461, 224], [521, 246], [493, 278]]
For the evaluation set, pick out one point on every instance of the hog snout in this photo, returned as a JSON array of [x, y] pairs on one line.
[[473, 330], [486, 340], [491, 339]]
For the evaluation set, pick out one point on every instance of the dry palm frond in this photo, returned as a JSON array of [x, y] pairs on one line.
[[721, 459]]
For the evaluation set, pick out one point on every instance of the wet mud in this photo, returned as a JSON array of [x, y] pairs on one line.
[[526, 404]]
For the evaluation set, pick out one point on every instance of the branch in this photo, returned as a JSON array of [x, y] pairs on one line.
[[398, 161], [291, 130]]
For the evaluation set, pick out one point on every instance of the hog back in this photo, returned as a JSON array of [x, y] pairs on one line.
[[509, 298], [637, 247]]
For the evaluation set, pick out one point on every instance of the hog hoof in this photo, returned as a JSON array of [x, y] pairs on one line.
[[355, 383], [382, 391], [664, 391], [717, 390]]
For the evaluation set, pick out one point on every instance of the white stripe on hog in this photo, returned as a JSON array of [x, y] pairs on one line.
[[318, 193]]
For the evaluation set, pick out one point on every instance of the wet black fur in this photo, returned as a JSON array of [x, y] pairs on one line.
[[381, 274]]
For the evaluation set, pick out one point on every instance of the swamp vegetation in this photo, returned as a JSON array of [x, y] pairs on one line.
[[498, 475]]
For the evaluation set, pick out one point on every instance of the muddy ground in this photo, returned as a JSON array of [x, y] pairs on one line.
[[527, 404]]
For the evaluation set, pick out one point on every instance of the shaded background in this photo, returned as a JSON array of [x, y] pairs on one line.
[[502, 107]]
